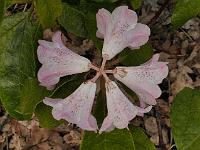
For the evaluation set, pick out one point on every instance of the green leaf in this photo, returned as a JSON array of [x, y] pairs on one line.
[[68, 86], [73, 21], [100, 109], [74, 3], [185, 119], [136, 4], [21, 1], [2, 3], [90, 6], [31, 94], [140, 139], [136, 57], [114, 140], [18, 83], [185, 10], [105, 1], [48, 11], [44, 114]]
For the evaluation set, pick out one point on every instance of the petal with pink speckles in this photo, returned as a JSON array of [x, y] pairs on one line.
[[58, 61], [144, 79], [120, 109], [77, 107], [120, 30], [139, 36]]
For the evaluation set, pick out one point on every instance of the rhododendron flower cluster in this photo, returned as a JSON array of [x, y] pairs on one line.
[[119, 30]]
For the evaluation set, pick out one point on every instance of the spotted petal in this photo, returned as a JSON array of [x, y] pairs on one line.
[[58, 61], [120, 109], [120, 30], [77, 107], [144, 79]]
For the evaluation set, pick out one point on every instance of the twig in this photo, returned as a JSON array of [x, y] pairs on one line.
[[161, 142], [190, 37], [25, 7]]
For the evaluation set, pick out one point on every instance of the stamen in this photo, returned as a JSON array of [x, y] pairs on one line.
[[105, 57], [94, 67], [105, 76], [111, 71]]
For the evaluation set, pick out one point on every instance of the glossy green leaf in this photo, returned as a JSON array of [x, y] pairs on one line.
[[18, 84], [48, 11], [68, 85], [30, 95], [114, 140], [44, 114], [140, 139], [136, 57], [185, 119], [185, 10], [73, 21]]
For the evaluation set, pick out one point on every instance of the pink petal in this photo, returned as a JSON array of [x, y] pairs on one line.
[[77, 107], [124, 18], [120, 30], [107, 125], [138, 36], [58, 61], [103, 18], [120, 109], [144, 79]]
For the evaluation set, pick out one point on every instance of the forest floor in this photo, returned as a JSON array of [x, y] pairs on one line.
[[181, 48]]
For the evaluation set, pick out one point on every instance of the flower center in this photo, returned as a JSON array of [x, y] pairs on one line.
[[101, 71]]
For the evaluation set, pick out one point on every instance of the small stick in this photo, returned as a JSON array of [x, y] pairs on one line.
[[25, 7], [161, 142]]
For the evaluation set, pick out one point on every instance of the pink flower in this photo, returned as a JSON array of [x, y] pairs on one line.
[[143, 79], [58, 61], [77, 107], [120, 109], [120, 30]]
